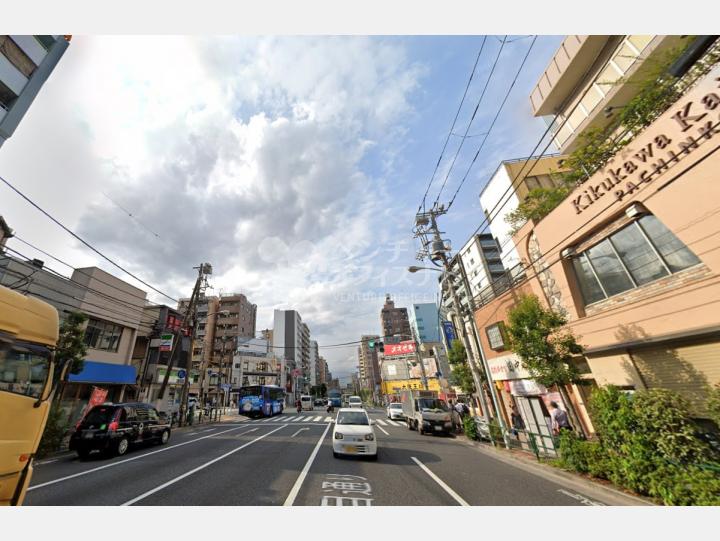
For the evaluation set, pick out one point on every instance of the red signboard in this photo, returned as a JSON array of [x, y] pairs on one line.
[[97, 397], [401, 348]]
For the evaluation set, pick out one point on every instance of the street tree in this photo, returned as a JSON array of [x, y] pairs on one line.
[[461, 375], [70, 349], [545, 347]]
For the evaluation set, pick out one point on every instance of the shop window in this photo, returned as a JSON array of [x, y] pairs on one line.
[[496, 336], [640, 253]]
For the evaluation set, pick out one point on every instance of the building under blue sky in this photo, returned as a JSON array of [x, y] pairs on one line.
[[424, 322]]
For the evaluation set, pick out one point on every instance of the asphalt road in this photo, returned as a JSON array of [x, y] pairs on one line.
[[288, 460]]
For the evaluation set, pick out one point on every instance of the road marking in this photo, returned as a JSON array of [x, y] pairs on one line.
[[201, 467], [393, 423], [190, 433], [381, 428], [45, 462], [296, 487], [298, 432], [318, 418], [440, 482], [79, 474], [580, 498], [380, 422], [328, 419]]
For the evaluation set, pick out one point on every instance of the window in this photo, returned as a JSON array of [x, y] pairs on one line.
[[496, 335], [640, 253], [46, 41], [23, 368], [102, 335], [7, 96]]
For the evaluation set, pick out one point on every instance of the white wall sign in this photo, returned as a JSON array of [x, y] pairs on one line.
[[507, 367]]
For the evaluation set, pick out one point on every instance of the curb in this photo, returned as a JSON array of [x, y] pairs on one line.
[[610, 494]]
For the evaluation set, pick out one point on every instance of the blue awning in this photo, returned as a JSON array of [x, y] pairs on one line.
[[96, 372]]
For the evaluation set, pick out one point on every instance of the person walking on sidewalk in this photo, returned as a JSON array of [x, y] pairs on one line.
[[559, 418]]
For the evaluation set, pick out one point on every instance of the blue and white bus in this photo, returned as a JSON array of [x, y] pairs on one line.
[[334, 398], [261, 400]]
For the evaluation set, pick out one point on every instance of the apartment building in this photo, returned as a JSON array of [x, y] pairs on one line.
[[590, 76], [394, 322], [26, 62], [368, 367], [291, 342]]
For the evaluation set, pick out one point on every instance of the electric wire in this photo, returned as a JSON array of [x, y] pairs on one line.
[[75, 235], [477, 107], [462, 101]]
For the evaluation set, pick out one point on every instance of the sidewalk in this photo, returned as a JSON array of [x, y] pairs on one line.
[[601, 490]]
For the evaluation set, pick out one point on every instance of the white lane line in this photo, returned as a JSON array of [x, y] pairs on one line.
[[201, 467], [318, 418], [580, 498], [381, 428], [296, 487], [298, 432], [79, 474], [45, 462], [190, 433], [440, 482]]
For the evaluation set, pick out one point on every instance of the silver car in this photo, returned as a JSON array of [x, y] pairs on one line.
[[395, 411]]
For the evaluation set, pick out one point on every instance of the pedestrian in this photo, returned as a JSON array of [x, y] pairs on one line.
[[559, 419], [517, 421]]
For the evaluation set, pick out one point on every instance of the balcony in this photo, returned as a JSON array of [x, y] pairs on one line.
[[505, 281]]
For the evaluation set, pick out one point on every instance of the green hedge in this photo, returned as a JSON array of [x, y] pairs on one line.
[[647, 444], [470, 428]]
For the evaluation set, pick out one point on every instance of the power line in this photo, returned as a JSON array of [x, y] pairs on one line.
[[482, 95], [80, 271], [442, 152], [106, 258], [507, 95], [130, 214]]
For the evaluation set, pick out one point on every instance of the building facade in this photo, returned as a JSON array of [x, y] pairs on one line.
[[290, 338], [368, 365], [394, 322], [26, 62]]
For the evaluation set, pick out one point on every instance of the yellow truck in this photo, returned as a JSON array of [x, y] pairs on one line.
[[28, 336]]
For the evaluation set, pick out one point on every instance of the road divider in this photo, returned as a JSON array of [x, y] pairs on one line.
[[201, 467]]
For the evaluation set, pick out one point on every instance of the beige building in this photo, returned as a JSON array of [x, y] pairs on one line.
[[633, 255], [369, 369], [394, 322], [589, 74]]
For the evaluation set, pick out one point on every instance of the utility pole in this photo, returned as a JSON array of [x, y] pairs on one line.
[[436, 250], [204, 269]]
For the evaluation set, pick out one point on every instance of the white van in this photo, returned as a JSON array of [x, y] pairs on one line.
[[355, 402], [306, 402]]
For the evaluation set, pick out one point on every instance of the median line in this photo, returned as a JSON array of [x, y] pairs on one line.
[[105, 466], [296, 487], [440, 482], [201, 467]]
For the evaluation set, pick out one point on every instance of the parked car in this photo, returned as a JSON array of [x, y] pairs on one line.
[[395, 411], [355, 402], [319, 402], [353, 434], [113, 428]]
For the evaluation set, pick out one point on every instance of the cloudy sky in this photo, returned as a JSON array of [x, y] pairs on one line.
[[293, 165]]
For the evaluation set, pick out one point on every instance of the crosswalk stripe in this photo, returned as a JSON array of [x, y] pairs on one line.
[[318, 418], [328, 419], [298, 419], [393, 423], [380, 422]]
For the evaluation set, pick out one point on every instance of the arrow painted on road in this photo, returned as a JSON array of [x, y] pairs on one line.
[[298, 432]]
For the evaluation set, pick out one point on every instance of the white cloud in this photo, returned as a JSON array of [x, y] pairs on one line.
[[248, 153]]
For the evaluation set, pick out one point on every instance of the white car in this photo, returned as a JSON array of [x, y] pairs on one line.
[[355, 402], [395, 411], [353, 434]]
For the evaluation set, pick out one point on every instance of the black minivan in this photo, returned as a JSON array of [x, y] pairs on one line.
[[113, 428]]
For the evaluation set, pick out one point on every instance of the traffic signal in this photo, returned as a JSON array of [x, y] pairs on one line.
[[378, 343]]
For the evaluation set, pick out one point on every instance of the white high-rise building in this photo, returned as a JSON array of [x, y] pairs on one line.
[[291, 342], [26, 62]]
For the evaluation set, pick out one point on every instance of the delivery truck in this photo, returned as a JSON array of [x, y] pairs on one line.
[[425, 412]]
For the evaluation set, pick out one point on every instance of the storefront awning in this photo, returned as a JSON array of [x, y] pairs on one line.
[[97, 372]]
